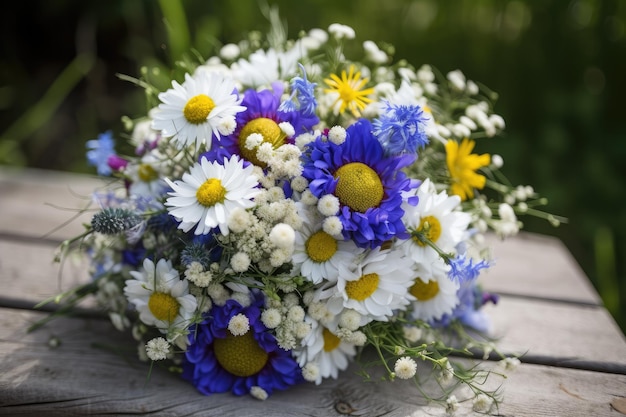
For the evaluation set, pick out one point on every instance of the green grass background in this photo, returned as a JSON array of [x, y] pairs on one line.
[[558, 65]]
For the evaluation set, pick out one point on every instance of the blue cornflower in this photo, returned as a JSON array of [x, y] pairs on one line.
[[368, 184], [463, 269], [304, 91], [217, 361], [400, 128], [99, 151]]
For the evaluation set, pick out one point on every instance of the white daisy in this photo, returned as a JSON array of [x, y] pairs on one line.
[[375, 288], [161, 298], [324, 349], [264, 67], [193, 112], [433, 292], [318, 255], [147, 177], [437, 218], [209, 192]]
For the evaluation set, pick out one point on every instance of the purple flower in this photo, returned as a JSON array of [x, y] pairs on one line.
[[263, 116], [368, 184], [216, 361]]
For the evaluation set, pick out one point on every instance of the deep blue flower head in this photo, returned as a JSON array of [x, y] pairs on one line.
[[162, 222], [400, 129], [99, 151], [263, 104], [202, 367], [218, 153], [134, 256], [303, 91], [463, 269], [371, 227]]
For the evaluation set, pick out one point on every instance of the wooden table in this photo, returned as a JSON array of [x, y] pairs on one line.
[[575, 361]]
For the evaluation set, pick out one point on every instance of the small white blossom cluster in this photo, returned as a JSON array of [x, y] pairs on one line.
[[288, 319], [266, 235]]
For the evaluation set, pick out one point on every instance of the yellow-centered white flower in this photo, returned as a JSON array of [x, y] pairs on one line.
[[161, 298], [435, 217], [433, 293], [375, 288], [325, 351], [317, 255], [208, 194], [194, 111]]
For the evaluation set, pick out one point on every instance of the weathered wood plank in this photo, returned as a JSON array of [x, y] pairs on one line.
[[537, 266], [28, 271], [35, 202], [78, 379], [565, 332]]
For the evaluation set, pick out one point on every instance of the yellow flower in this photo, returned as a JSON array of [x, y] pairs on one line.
[[463, 164], [349, 88]]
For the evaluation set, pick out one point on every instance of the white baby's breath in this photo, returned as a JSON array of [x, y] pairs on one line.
[[405, 368], [157, 349]]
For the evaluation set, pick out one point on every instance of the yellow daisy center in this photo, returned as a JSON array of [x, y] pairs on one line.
[[269, 129], [146, 173], [240, 355], [198, 109], [424, 291], [429, 228], [163, 306], [363, 287], [330, 340], [321, 246], [211, 192], [358, 187]]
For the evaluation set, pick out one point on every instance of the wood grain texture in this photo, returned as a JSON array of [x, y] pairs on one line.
[[537, 266], [77, 378], [564, 332], [35, 203]]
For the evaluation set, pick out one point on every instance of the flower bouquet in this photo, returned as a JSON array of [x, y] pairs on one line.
[[286, 207]]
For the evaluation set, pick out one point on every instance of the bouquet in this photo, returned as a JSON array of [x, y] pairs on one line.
[[288, 205]]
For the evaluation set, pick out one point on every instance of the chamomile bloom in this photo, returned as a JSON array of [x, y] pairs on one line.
[[161, 298], [317, 255], [433, 293], [193, 112], [325, 351], [435, 218], [146, 176], [210, 192], [375, 288]]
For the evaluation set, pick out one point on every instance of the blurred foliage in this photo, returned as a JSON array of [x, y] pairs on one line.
[[557, 65]]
